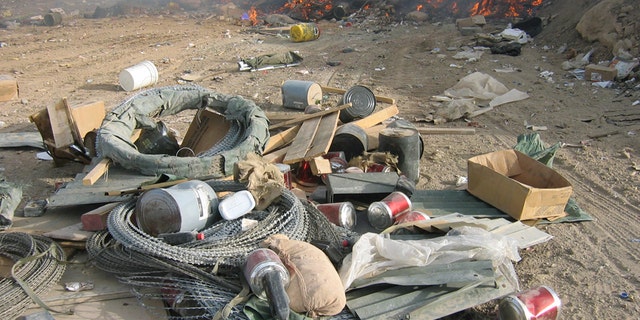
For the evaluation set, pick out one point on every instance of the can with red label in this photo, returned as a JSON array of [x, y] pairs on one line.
[[539, 303], [411, 216], [285, 169], [378, 167], [381, 214], [339, 213]]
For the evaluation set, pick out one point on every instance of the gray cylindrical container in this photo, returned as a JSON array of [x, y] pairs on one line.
[[350, 139], [405, 143], [298, 94]]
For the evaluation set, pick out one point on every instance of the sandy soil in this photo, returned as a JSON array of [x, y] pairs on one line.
[[588, 264]]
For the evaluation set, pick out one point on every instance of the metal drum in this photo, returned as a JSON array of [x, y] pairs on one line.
[[362, 100], [188, 206], [298, 94]]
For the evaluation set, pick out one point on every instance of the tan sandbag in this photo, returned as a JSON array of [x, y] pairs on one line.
[[263, 179], [315, 288]]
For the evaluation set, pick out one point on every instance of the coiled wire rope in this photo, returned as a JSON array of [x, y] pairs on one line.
[[37, 267]]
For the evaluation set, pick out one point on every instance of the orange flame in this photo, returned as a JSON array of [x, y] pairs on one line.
[[419, 7], [253, 16]]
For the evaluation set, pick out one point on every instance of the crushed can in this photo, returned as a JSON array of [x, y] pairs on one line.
[[382, 214]]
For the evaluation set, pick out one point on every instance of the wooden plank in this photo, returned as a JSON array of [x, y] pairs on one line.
[[324, 136], [302, 143], [305, 117], [59, 122], [21, 139], [72, 233], [343, 91], [278, 140], [376, 117], [465, 131], [77, 138], [96, 172], [276, 156], [372, 136]]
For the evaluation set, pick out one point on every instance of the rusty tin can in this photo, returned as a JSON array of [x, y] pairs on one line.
[[539, 303], [381, 214], [339, 213]]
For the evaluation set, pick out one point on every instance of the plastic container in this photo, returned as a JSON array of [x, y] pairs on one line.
[[138, 76], [236, 205], [302, 32]]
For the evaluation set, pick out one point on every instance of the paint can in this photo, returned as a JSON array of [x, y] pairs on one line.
[[302, 32], [259, 263], [363, 103], [339, 213], [378, 167], [539, 303], [411, 216], [187, 206], [138, 76], [298, 94], [351, 139], [285, 169], [381, 214]]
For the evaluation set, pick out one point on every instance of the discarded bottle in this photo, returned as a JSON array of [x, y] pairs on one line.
[[304, 32], [268, 277], [236, 205]]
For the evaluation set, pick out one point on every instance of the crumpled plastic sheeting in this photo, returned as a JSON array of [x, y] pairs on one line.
[[373, 253], [473, 90]]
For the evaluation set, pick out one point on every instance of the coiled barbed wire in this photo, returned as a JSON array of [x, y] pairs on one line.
[[38, 273]]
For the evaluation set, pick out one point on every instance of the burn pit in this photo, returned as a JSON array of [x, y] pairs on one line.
[[312, 10]]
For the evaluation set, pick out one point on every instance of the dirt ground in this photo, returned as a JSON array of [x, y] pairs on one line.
[[587, 263]]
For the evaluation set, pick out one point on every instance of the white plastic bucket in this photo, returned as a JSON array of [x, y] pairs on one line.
[[138, 76]]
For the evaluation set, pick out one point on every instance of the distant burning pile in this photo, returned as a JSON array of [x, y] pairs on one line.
[[307, 10]]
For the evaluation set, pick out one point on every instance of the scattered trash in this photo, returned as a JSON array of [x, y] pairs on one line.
[[78, 286]]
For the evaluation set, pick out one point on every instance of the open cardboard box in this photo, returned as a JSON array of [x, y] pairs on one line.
[[519, 185], [207, 128]]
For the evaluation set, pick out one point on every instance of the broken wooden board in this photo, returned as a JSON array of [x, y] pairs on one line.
[[280, 139], [306, 117], [73, 232], [313, 139], [58, 119], [21, 139], [76, 193]]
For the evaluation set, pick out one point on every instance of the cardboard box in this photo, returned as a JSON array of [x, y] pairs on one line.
[[207, 128], [518, 185], [597, 73], [8, 88]]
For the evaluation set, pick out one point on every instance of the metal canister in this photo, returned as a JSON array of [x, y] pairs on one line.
[[259, 263], [539, 303], [411, 216], [381, 214], [378, 167], [304, 32], [339, 213]]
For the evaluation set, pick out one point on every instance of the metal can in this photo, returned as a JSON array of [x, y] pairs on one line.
[[304, 32], [339, 213], [539, 303], [377, 167], [381, 214], [260, 262], [411, 216], [285, 169]]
